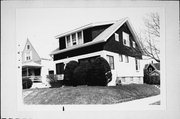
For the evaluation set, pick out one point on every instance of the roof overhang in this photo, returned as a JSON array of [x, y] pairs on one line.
[[31, 64], [57, 51], [84, 27]]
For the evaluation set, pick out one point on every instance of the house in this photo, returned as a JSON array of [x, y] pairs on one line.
[[153, 69], [116, 41], [35, 67]]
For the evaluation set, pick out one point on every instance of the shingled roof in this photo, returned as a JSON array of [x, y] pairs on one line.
[[103, 37]]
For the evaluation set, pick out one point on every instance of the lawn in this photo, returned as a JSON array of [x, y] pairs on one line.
[[89, 94]]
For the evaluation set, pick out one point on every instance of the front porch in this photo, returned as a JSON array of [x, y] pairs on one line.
[[32, 71]]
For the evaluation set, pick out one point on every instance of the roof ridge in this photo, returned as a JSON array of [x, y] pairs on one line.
[[92, 24]]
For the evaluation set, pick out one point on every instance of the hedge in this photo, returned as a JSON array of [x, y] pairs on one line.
[[26, 83]]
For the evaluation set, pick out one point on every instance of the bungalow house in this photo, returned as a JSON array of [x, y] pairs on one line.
[[35, 67], [116, 41], [152, 69]]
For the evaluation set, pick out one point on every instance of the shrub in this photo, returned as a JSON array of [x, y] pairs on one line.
[[101, 73], [53, 81], [68, 72], [154, 80], [82, 73], [26, 83]]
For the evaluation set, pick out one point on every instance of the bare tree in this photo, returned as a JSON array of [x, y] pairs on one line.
[[149, 36]]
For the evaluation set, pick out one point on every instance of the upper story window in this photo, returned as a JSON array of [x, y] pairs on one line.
[[126, 39], [74, 39], [116, 37], [28, 47], [126, 59], [120, 58], [110, 60], [68, 41], [79, 34], [28, 56], [134, 45]]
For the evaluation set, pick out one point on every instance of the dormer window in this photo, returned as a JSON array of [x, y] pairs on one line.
[[80, 41], [68, 41], [116, 37], [74, 39], [126, 39]]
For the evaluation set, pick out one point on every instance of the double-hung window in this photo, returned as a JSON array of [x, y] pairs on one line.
[[79, 34], [74, 39], [68, 41], [126, 39], [110, 60]]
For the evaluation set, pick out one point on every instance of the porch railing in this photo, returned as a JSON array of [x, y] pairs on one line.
[[34, 79]]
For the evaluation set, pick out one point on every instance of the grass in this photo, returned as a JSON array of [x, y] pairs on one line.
[[89, 94]]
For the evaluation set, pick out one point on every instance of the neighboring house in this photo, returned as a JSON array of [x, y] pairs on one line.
[[35, 67], [115, 41], [152, 69]]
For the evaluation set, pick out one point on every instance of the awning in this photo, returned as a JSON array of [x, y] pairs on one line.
[[31, 64]]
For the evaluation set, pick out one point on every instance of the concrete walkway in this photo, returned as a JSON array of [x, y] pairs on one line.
[[143, 101]]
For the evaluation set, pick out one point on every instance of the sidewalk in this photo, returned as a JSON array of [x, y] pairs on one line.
[[143, 101]]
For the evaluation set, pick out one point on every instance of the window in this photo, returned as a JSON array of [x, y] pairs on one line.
[[79, 34], [134, 45], [126, 59], [126, 39], [28, 56], [74, 39], [137, 64], [120, 58], [59, 68], [28, 47], [116, 37], [110, 60], [68, 41]]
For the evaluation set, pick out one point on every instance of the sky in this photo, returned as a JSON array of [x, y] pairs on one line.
[[41, 25]]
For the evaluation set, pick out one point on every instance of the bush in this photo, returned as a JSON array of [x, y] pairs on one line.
[[53, 81], [154, 80], [68, 73], [101, 73], [82, 73], [27, 83]]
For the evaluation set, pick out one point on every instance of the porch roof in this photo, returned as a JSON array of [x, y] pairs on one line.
[[31, 64]]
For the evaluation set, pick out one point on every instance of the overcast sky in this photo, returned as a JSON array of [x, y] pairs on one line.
[[41, 25]]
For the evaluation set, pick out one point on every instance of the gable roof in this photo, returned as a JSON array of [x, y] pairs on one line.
[[155, 65], [36, 48], [32, 48], [103, 37]]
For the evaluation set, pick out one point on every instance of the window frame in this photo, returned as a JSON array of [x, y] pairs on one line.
[[126, 42], [111, 64]]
